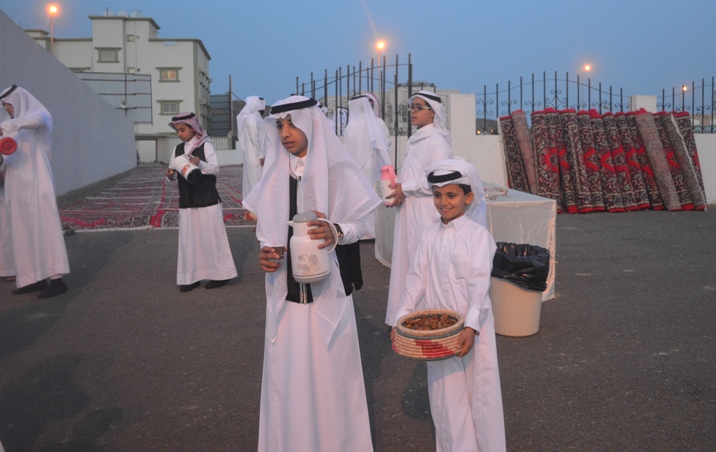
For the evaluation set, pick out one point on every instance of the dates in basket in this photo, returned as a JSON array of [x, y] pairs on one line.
[[430, 322]]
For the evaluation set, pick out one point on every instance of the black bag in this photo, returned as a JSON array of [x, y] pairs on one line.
[[525, 265]]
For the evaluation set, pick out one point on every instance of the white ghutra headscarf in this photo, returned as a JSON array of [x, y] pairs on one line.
[[254, 104], [454, 171], [364, 133], [440, 120], [375, 105], [191, 120], [331, 183]]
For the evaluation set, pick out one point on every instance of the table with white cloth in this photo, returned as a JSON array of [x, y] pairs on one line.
[[512, 216]]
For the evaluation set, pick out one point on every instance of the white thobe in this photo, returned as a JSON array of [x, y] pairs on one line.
[[204, 251], [252, 142], [418, 210], [368, 142], [451, 270], [312, 390], [38, 246]]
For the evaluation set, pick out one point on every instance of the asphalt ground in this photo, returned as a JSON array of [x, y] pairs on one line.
[[624, 359]]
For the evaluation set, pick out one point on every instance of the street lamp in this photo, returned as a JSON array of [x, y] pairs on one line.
[[380, 47], [52, 10], [586, 68]]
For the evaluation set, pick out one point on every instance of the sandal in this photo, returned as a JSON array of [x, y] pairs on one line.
[[68, 231]]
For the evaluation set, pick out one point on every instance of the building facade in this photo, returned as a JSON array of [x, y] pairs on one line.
[[128, 44]]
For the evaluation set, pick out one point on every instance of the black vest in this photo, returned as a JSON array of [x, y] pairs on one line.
[[200, 193], [348, 260]]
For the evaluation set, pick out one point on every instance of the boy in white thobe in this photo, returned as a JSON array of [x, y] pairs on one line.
[[38, 246], [204, 251], [367, 144], [252, 141], [412, 196], [312, 391], [451, 270]]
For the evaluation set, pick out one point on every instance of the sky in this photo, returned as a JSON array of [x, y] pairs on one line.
[[640, 46]]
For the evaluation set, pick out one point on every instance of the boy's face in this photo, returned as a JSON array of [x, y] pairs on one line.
[[9, 109], [422, 114], [184, 132], [451, 201], [292, 138]]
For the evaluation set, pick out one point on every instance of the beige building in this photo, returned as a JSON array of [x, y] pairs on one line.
[[148, 77]]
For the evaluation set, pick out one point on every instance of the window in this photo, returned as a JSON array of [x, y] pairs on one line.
[[130, 38], [170, 107], [108, 55], [168, 74]]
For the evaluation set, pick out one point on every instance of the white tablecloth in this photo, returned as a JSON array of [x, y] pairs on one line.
[[514, 217]]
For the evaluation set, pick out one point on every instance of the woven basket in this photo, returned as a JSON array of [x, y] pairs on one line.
[[430, 345]]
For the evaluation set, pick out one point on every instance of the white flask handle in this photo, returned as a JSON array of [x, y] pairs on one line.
[[334, 231]]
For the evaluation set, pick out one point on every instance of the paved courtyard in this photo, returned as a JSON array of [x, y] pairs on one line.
[[624, 359]]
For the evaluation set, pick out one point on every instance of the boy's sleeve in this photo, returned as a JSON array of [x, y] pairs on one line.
[[211, 166], [416, 281], [439, 150], [483, 253], [32, 121]]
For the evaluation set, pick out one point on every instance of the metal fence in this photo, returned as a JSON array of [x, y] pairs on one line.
[[380, 77], [577, 93], [130, 93], [532, 94]]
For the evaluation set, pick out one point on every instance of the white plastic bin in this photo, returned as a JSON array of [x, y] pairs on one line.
[[516, 310]]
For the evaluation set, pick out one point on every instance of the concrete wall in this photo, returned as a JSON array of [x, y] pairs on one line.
[[91, 140], [706, 145]]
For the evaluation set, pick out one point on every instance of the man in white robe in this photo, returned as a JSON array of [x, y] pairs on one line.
[[412, 196], [451, 270], [38, 246], [312, 390], [367, 144], [252, 140]]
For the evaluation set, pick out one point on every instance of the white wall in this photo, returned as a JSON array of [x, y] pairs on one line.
[[706, 146], [483, 151], [91, 141]]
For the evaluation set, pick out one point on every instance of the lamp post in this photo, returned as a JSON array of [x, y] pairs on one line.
[[380, 46], [683, 95], [586, 68], [52, 10]]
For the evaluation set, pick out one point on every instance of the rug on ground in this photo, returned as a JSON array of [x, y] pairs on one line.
[[145, 200]]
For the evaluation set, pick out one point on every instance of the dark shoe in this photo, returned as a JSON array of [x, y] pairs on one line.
[[34, 287], [216, 284], [56, 287], [188, 287], [68, 231]]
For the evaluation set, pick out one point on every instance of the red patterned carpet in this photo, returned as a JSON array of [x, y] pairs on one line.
[[144, 200]]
